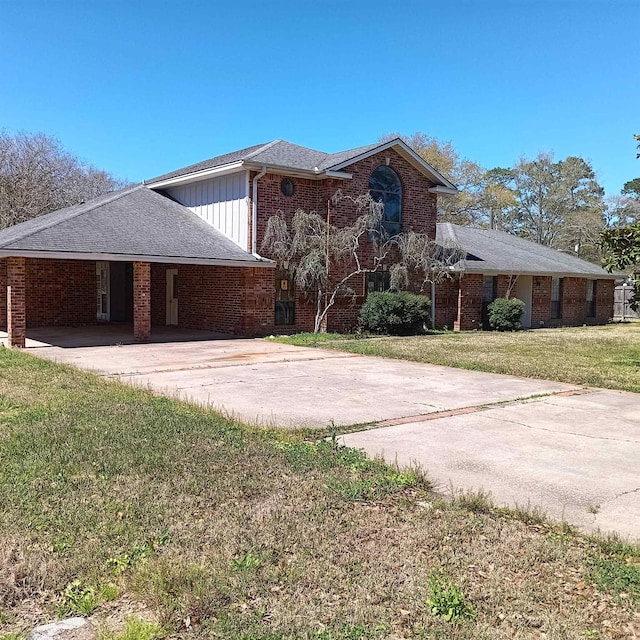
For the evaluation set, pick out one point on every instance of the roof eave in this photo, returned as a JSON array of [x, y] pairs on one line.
[[441, 190], [195, 176], [426, 168], [127, 257], [555, 274]]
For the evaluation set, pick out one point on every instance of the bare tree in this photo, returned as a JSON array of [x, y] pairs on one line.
[[324, 259], [423, 261], [38, 176]]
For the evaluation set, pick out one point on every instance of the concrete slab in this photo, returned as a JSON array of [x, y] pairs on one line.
[[576, 457], [275, 384], [573, 452]]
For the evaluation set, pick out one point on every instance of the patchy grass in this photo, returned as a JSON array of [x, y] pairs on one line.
[[200, 527], [604, 356]]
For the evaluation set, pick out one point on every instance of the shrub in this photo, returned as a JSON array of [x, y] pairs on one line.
[[505, 314], [395, 313]]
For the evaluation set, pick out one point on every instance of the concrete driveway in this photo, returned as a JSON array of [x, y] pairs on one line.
[[571, 451]]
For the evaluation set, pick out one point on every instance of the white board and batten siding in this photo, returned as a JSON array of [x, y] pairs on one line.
[[222, 202]]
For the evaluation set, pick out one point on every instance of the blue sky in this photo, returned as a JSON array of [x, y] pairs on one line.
[[141, 88]]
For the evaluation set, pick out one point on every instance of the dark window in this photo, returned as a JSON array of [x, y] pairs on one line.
[[378, 281], [385, 187], [489, 294], [288, 187], [285, 309], [556, 298], [591, 298]]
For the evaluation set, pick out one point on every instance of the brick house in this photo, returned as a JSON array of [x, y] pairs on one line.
[[182, 250]]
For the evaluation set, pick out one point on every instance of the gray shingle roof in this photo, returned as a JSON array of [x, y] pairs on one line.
[[492, 251], [278, 153], [133, 222]]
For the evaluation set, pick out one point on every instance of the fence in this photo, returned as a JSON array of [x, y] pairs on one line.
[[621, 309]]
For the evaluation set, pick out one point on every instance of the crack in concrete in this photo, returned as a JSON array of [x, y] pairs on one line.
[[567, 433], [619, 495]]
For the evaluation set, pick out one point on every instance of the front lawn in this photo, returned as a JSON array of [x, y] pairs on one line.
[[604, 356], [168, 519]]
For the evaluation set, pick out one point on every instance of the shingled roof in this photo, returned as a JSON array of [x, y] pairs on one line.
[[491, 251], [284, 155], [132, 224]]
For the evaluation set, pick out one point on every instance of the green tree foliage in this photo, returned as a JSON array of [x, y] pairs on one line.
[[559, 204], [37, 176], [622, 253], [632, 188], [465, 207]]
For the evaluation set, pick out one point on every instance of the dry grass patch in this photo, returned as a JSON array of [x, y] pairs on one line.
[[603, 356], [203, 528]]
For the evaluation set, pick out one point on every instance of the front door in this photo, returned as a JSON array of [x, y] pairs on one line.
[[172, 297], [102, 279], [523, 291]]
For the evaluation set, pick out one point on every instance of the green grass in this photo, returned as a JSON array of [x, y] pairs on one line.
[[117, 503], [603, 356]]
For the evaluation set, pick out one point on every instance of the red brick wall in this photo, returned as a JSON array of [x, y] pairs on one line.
[[60, 292], [447, 303], [574, 304], [16, 279], [604, 301], [141, 301], [541, 302], [233, 300], [574, 301], [469, 303], [3, 294], [418, 214]]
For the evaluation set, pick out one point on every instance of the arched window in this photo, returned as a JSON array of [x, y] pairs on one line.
[[385, 187]]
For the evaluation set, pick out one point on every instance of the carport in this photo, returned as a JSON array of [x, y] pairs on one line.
[[133, 257]]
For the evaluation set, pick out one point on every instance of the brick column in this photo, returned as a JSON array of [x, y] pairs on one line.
[[16, 303], [469, 303], [141, 301]]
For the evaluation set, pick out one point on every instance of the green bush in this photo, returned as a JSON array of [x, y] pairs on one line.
[[395, 313], [505, 314]]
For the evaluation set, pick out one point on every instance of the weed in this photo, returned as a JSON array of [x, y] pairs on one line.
[[80, 599], [447, 600], [612, 574], [613, 545], [136, 629], [138, 555], [479, 501], [11, 636], [529, 514], [246, 562]]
